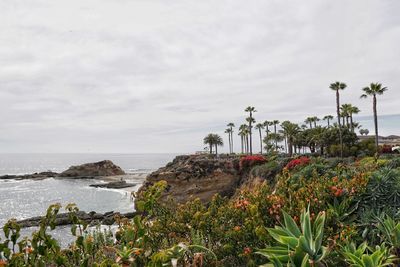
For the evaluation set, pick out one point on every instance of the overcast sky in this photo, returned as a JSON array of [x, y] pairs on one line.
[[158, 75]]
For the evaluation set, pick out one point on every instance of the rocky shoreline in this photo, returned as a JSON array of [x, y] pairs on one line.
[[92, 218], [102, 170]]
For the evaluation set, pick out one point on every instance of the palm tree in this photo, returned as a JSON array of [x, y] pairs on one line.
[[243, 134], [209, 140], [309, 121], [337, 86], [346, 109], [266, 125], [259, 127], [364, 131], [250, 120], [353, 110], [231, 125], [290, 130], [275, 122], [229, 132], [217, 142], [373, 90], [328, 118], [315, 119]]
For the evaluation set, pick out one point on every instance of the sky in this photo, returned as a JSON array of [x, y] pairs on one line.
[[156, 76]]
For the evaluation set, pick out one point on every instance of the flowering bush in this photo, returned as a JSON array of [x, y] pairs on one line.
[[225, 231], [250, 161], [302, 161], [386, 149]]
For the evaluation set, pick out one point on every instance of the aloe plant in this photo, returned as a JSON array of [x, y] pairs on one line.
[[297, 246], [364, 256]]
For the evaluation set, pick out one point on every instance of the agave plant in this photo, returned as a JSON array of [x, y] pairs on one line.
[[297, 246], [364, 256]]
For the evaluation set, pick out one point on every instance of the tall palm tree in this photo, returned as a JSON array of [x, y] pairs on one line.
[[218, 141], [266, 125], [250, 120], [243, 134], [231, 125], [259, 127], [229, 131], [290, 130], [275, 122], [209, 140], [309, 121], [315, 119], [373, 90], [353, 110], [337, 86], [328, 118]]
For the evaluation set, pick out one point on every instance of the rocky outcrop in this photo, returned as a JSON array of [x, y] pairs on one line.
[[91, 170], [197, 176], [92, 218], [114, 185], [34, 176]]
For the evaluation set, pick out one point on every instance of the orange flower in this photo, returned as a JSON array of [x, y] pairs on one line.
[[28, 250], [236, 228], [137, 252], [247, 251], [3, 263]]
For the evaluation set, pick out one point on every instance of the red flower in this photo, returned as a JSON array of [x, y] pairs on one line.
[[302, 161], [250, 161]]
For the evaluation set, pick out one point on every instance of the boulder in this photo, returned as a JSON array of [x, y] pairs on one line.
[[91, 170]]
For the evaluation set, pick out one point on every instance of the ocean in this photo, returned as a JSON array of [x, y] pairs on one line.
[[28, 198]]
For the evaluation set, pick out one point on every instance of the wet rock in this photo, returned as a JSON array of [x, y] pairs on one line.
[[92, 218], [114, 185], [91, 170], [34, 176]]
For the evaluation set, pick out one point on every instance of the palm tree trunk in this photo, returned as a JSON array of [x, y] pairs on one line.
[[289, 145], [351, 123], [347, 121], [247, 144], [211, 148], [286, 145], [241, 143], [230, 147], [266, 145], [261, 145], [328, 124], [340, 128], [231, 143], [376, 125], [216, 149]]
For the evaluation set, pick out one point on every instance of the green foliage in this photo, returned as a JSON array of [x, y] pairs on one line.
[[364, 256], [297, 246]]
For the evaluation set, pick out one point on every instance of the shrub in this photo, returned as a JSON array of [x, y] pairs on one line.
[[302, 161], [267, 171], [247, 162]]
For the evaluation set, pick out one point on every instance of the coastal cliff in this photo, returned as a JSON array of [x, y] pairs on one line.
[[203, 176], [197, 176]]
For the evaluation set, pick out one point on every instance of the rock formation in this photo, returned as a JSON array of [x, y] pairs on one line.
[[198, 176], [89, 170], [92, 218]]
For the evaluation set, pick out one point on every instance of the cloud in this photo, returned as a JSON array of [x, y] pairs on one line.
[[156, 76]]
